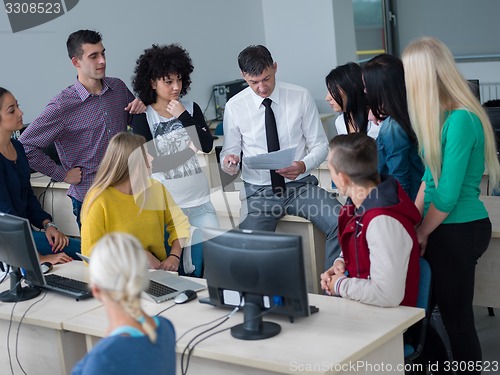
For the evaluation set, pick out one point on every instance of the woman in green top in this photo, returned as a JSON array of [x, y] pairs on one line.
[[457, 144]]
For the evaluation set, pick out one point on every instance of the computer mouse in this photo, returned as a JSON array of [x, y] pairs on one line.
[[46, 267], [185, 296]]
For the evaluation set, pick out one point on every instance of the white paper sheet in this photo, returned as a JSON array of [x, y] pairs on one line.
[[272, 160]]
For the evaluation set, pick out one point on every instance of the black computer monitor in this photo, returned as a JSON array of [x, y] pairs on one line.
[[494, 116], [17, 250], [264, 270]]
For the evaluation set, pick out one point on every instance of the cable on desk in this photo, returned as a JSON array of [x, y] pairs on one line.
[[213, 334], [206, 324], [165, 309], [6, 270], [19, 327], [8, 331]]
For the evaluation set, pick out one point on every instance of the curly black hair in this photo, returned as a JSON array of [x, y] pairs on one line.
[[159, 62]]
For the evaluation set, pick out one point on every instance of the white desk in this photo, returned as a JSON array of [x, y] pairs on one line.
[[313, 239], [43, 347], [487, 282], [343, 332], [56, 202]]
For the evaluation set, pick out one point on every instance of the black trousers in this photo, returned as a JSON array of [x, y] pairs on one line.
[[453, 251]]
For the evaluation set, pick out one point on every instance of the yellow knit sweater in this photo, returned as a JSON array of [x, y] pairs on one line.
[[114, 211]]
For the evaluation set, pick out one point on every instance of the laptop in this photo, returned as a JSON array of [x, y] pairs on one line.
[[164, 285]]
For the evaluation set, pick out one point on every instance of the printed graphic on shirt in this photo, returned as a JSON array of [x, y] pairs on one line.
[[170, 138]]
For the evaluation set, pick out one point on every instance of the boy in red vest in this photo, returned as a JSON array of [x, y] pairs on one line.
[[379, 262]]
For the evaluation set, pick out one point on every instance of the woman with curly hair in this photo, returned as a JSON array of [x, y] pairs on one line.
[[176, 127]]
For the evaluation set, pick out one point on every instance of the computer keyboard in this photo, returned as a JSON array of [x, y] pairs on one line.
[[158, 290], [69, 287]]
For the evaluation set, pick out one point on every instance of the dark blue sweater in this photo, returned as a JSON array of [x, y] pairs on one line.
[[16, 195]]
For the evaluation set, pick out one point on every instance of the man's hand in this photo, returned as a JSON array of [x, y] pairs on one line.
[[135, 107], [231, 164], [57, 240], [291, 172], [332, 274], [73, 176], [175, 108]]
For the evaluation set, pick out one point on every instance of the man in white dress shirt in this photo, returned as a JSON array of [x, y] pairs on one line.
[[298, 126]]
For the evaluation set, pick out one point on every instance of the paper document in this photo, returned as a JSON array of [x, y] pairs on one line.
[[272, 160]]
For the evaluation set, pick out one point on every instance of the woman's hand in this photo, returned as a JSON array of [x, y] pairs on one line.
[[170, 264], [56, 239], [175, 108], [55, 258]]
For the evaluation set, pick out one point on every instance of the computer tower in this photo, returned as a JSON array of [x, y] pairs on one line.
[[225, 91]]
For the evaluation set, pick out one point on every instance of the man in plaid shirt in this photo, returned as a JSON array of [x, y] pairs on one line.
[[81, 119]]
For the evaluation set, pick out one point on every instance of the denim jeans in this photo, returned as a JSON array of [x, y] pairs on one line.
[[203, 216], [261, 209], [43, 247], [77, 208]]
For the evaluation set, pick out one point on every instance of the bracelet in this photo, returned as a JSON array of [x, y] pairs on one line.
[[175, 255], [49, 224]]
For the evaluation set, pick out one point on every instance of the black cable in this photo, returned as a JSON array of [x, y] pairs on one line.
[[205, 324], [18, 329], [212, 95], [8, 330], [184, 371], [168, 308], [7, 270], [212, 334]]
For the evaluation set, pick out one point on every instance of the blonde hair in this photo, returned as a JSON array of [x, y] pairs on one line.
[[434, 85], [119, 267], [125, 153]]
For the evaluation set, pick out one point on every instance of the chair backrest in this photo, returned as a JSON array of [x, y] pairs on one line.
[[424, 285], [219, 129]]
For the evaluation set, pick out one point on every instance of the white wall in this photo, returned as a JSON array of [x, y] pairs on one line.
[[35, 67], [301, 34], [308, 39]]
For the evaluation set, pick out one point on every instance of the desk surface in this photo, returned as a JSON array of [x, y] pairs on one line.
[[341, 332], [48, 313]]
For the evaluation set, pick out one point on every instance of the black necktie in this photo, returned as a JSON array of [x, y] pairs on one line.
[[273, 144]]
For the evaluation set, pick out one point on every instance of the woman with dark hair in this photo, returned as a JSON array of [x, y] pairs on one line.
[[397, 143], [16, 195], [176, 127], [346, 94]]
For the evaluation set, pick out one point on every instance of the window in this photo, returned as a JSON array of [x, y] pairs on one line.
[[373, 37]]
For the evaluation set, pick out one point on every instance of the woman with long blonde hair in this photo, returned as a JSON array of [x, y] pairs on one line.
[[123, 198], [136, 343], [458, 147]]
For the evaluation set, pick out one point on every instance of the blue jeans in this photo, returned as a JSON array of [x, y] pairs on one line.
[[77, 208], [43, 247], [303, 198], [203, 216]]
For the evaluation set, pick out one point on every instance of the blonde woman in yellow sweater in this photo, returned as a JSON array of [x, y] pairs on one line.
[[124, 199]]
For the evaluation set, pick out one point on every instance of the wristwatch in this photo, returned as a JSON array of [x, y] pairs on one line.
[[49, 224]]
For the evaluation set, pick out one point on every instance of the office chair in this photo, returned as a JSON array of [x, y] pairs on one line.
[[196, 247], [219, 130], [414, 350]]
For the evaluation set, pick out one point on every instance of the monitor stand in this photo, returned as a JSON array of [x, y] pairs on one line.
[[18, 293], [253, 327]]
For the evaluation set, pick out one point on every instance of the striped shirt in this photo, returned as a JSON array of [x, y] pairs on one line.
[[80, 125]]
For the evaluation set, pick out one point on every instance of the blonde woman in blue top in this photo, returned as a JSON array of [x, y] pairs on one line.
[[136, 342], [457, 142], [397, 144]]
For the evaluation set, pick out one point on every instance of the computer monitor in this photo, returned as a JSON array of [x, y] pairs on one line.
[[263, 270], [494, 116], [17, 250], [474, 86]]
